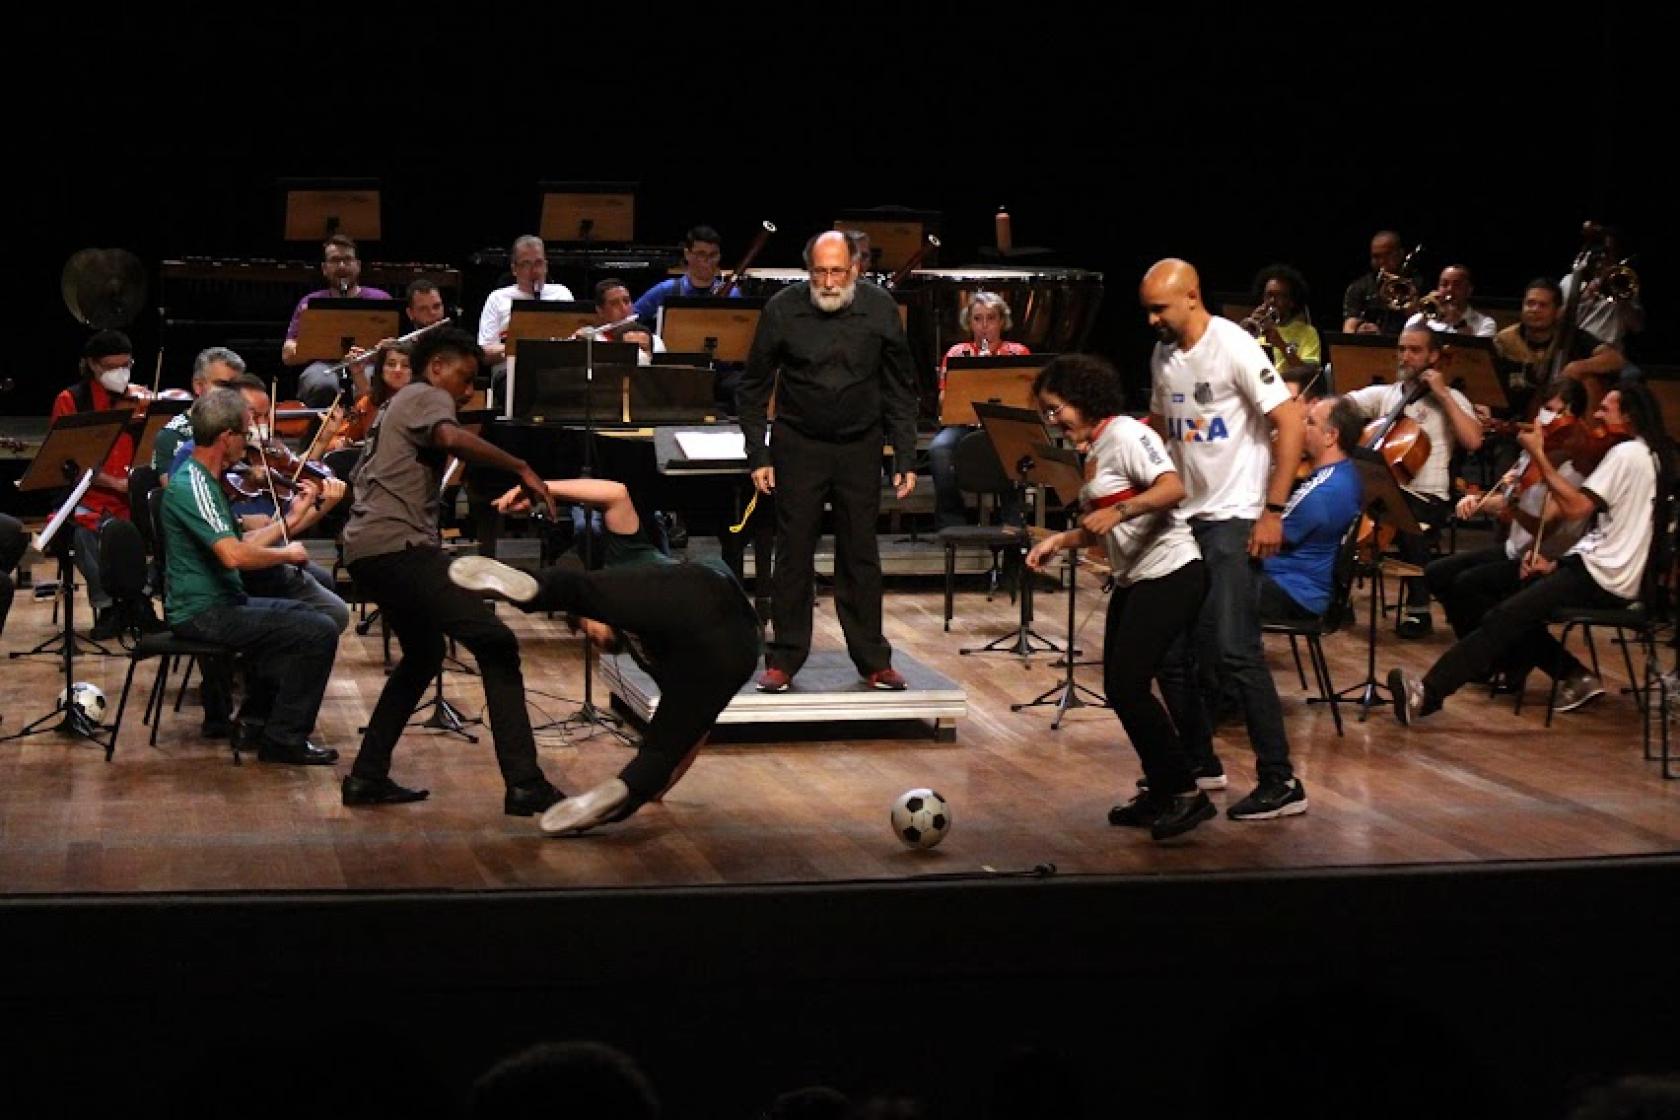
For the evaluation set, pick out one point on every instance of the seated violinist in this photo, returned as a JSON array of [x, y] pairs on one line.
[[391, 371], [1469, 584], [985, 318], [1419, 394], [1604, 570], [255, 506], [215, 366], [613, 305], [287, 647], [1299, 580]]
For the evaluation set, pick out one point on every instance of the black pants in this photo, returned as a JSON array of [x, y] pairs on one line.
[[1143, 622], [1278, 605], [421, 606], [1514, 632], [1414, 547], [848, 476], [698, 637], [13, 542], [1468, 584]]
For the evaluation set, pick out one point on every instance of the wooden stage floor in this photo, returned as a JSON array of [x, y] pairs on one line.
[[1476, 783]]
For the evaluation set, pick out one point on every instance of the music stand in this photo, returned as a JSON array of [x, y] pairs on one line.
[[588, 212], [319, 210], [158, 414], [723, 328], [1058, 471], [1358, 360], [557, 383], [329, 327], [546, 320], [666, 394], [1470, 365], [994, 379], [894, 235], [1382, 498], [1015, 433]]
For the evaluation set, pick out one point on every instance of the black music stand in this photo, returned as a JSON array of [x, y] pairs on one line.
[[75, 444], [71, 719], [1383, 499], [316, 209], [1015, 433], [1058, 470], [722, 328]]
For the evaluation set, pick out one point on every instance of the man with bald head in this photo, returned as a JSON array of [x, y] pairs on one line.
[[1457, 316], [1217, 401], [846, 389], [1363, 308]]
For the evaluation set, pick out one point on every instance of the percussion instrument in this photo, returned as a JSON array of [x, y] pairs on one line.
[[1053, 309]]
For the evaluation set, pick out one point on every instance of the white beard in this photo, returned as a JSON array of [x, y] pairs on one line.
[[834, 300]]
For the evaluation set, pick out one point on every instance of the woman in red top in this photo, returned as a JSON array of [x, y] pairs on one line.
[[985, 318]]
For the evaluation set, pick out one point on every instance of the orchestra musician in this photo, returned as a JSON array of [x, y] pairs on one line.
[[846, 387], [1299, 580], [1364, 308], [985, 317], [1533, 350], [1159, 578], [1604, 570], [530, 281], [424, 302], [1447, 417], [1452, 296], [391, 372], [613, 305], [288, 647], [1280, 296], [215, 366], [317, 385], [690, 626], [107, 362], [1235, 435], [1468, 584], [702, 255], [394, 551], [1606, 319]]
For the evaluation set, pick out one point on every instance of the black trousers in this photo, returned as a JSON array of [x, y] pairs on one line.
[[698, 636], [1514, 632], [421, 606], [1143, 622], [13, 542], [1468, 584], [848, 476], [1414, 547]]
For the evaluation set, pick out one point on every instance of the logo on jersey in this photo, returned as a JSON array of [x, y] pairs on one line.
[[1266, 377], [1178, 398], [1194, 430], [1204, 393]]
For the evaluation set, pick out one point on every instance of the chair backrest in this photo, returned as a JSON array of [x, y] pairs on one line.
[[154, 508], [142, 480], [1656, 589], [122, 571], [978, 469], [1342, 575]]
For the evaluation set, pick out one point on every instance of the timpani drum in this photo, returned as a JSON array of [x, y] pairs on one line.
[[762, 283], [1053, 309]]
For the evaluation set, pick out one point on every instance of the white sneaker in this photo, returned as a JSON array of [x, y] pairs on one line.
[[586, 810], [492, 577], [1578, 690]]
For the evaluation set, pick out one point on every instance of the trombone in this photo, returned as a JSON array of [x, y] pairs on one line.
[[1396, 290]]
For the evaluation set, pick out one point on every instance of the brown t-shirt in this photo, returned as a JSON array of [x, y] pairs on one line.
[[398, 478]]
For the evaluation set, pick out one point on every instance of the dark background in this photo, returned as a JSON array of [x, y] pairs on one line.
[[1112, 138]]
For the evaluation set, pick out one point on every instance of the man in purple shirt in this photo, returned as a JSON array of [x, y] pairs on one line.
[[343, 270]]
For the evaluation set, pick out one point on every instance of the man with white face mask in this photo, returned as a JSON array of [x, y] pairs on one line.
[[107, 361], [846, 388]]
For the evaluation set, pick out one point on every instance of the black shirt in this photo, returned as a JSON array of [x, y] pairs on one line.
[[843, 375], [1363, 301]]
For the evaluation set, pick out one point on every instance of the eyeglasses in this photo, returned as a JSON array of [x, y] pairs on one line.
[[831, 273], [1050, 413]]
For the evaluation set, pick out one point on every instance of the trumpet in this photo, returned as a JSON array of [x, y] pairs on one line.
[[1262, 317], [1618, 283], [1435, 305]]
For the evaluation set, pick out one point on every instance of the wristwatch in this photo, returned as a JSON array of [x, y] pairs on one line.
[[1273, 507]]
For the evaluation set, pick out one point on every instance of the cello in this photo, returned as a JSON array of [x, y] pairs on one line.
[[1405, 447]]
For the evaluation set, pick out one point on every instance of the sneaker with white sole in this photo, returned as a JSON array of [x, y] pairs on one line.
[[1271, 800], [1577, 690], [492, 577], [1411, 699], [601, 805]]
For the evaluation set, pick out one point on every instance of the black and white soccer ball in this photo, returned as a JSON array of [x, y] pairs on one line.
[[90, 698], [921, 818]]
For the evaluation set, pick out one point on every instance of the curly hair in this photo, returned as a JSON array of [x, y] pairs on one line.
[[1292, 279], [1087, 382]]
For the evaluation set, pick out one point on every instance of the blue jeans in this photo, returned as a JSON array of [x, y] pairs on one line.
[[288, 649], [310, 585], [1225, 645]]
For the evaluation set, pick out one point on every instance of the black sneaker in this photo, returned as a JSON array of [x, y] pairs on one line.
[[378, 791], [1411, 699], [1415, 624], [1209, 776], [530, 798], [1141, 811], [105, 625], [1186, 811], [1271, 800]]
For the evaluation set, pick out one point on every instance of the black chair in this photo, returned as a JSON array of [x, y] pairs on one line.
[[1312, 630], [979, 473], [163, 645]]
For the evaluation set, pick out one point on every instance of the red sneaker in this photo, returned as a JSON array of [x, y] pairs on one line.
[[774, 680], [888, 680]]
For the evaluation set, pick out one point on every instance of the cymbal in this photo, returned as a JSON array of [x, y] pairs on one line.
[[104, 288]]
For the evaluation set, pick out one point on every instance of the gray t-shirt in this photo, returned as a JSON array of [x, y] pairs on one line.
[[397, 480]]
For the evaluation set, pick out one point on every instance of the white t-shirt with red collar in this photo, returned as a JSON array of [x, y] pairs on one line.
[[1125, 459]]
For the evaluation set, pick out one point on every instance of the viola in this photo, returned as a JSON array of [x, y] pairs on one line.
[[284, 467]]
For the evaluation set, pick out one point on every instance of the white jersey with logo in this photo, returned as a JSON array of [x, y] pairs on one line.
[[1616, 547], [1126, 457], [1213, 399]]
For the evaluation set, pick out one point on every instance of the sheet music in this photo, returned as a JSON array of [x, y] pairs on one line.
[[44, 538], [712, 446]]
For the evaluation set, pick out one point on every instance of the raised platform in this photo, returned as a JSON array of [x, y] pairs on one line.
[[827, 690]]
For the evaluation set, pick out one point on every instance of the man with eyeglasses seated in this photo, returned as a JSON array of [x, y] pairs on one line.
[[846, 389], [343, 270], [530, 281], [702, 254]]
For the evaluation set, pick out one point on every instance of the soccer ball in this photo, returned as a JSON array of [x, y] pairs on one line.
[[89, 698], [921, 818]]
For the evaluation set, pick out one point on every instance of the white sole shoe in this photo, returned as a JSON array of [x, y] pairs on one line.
[[492, 577], [586, 810]]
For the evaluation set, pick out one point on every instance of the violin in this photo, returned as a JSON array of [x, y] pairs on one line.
[[285, 468]]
